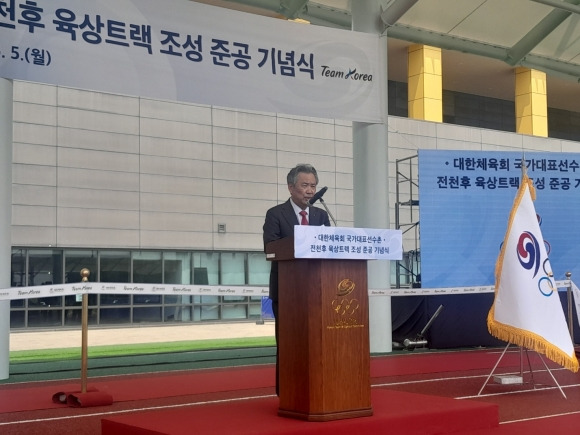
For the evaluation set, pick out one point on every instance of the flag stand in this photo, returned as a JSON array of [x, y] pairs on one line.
[[87, 396], [522, 370]]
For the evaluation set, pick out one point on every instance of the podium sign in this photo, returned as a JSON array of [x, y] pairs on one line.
[[323, 330], [347, 243]]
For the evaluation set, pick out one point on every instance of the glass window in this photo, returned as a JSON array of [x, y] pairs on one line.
[[73, 316], [18, 272], [17, 319], [44, 318], [18, 268], [206, 268], [115, 299], [258, 269], [53, 302], [180, 313], [115, 266], [206, 312], [115, 316], [74, 262], [147, 315], [206, 299], [255, 311], [147, 269], [177, 270], [233, 268], [44, 268], [234, 311], [236, 298], [31, 267]]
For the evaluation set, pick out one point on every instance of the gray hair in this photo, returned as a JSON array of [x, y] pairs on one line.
[[305, 168]]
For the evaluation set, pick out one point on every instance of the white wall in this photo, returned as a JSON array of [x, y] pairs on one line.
[[108, 171]]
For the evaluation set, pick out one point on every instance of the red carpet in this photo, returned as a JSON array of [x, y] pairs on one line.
[[34, 397], [417, 396], [451, 361], [400, 412], [30, 397]]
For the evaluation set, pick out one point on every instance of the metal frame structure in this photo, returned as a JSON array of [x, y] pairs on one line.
[[551, 28], [407, 198]]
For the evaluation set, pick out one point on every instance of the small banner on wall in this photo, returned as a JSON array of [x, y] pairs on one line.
[[188, 51]]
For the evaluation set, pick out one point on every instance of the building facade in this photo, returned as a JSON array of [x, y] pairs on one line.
[[146, 191]]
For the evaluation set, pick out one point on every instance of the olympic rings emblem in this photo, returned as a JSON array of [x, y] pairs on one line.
[[546, 286], [345, 306], [545, 283]]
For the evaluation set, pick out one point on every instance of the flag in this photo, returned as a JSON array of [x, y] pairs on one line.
[[527, 310]]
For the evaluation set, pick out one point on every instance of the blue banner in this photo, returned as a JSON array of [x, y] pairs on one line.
[[465, 200]]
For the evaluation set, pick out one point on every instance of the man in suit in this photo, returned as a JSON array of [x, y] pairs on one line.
[[280, 220]]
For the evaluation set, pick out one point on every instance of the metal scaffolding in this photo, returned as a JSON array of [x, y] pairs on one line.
[[408, 270]]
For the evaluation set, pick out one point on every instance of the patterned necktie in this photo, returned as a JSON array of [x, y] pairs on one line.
[[304, 221]]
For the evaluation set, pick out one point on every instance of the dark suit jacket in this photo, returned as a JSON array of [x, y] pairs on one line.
[[280, 221]]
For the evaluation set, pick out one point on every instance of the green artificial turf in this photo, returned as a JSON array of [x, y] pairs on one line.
[[25, 356]]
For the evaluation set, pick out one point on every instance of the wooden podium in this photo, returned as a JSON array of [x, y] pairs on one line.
[[324, 355]]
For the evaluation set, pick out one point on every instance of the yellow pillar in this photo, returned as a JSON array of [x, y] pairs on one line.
[[531, 102], [425, 84]]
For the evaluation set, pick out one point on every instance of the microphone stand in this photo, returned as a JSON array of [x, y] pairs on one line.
[[328, 211]]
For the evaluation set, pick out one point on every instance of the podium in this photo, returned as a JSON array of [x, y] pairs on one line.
[[323, 336]]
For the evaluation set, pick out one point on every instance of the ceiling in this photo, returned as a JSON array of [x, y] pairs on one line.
[[482, 40]]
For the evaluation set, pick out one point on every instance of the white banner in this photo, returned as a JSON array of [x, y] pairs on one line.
[[347, 243], [43, 291], [187, 51], [561, 285]]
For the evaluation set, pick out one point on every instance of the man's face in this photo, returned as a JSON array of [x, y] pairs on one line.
[[303, 190]]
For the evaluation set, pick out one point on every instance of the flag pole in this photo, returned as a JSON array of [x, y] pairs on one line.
[[493, 370], [553, 378], [569, 299], [84, 333], [522, 370]]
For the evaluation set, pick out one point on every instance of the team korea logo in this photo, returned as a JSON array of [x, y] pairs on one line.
[[351, 74]]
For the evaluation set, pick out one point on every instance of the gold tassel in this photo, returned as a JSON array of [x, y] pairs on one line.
[[532, 342]]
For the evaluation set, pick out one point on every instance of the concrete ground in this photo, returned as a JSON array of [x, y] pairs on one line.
[[55, 339]]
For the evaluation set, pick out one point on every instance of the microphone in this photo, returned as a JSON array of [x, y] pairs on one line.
[[317, 195]]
